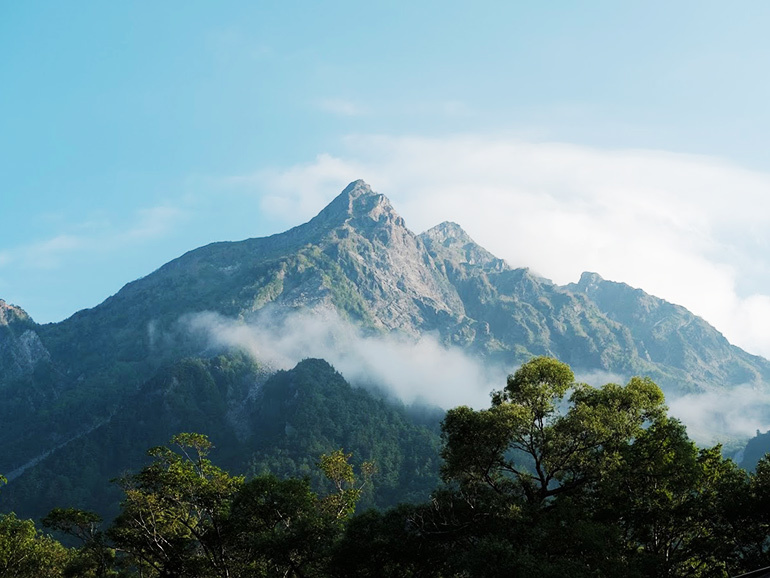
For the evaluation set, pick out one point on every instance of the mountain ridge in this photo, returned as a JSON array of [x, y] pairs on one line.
[[357, 258]]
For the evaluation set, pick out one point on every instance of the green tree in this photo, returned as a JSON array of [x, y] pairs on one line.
[[94, 558], [282, 528], [529, 469], [745, 511], [26, 553], [173, 516], [406, 541], [567, 479], [278, 528], [529, 449], [183, 516], [336, 466], [668, 498]]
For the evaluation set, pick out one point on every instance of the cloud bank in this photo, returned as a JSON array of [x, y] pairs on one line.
[[739, 413], [689, 229], [414, 371], [425, 371]]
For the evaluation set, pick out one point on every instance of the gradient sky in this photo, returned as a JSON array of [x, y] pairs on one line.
[[627, 138]]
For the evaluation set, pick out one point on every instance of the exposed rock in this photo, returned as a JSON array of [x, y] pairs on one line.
[[452, 244], [20, 346], [13, 315], [670, 335]]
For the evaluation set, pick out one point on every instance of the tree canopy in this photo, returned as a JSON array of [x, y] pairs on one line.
[[554, 478], [528, 445]]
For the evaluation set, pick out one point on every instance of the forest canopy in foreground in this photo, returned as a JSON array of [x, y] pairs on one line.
[[555, 478]]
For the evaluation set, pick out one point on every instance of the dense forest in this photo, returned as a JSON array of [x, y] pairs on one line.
[[555, 478], [261, 422]]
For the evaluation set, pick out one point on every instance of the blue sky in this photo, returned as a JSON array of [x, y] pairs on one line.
[[628, 138]]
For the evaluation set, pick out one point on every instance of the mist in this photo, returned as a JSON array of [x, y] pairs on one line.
[[421, 370], [425, 371], [695, 239], [712, 416]]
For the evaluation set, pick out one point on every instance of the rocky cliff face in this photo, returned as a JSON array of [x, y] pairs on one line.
[[453, 246], [386, 267], [21, 349], [670, 336], [525, 315]]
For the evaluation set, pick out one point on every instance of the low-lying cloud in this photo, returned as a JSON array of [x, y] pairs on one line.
[[414, 371], [710, 416], [426, 371]]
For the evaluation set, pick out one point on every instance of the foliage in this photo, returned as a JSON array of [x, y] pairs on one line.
[[26, 553], [341, 504], [311, 410], [554, 479], [605, 484], [183, 516], [524, 447], [278, 424], [175, 510]]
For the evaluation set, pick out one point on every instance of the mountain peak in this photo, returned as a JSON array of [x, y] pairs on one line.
[[448, 232], [589, 281], [359, 200], [358, 188], [10, 314], [360, 203], [450, 240]]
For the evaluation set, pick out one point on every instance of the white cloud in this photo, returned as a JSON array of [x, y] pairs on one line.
[[690, 229], [153, 223], [421, 370], [297, 194], [737, 413], [427, 371], [48, 254]]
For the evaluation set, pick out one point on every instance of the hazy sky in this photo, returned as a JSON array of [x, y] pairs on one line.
[[627, 138]]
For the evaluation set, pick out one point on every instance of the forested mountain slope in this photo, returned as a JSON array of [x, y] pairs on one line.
[[281, 422]]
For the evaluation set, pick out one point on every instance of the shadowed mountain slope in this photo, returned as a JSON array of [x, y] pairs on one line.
[[282, 422]]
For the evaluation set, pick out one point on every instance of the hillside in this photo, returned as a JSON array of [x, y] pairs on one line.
[[280, 422]]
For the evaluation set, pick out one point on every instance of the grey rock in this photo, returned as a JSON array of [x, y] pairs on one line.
[[20, 346]]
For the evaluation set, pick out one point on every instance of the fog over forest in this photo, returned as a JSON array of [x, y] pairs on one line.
[[426, 371]]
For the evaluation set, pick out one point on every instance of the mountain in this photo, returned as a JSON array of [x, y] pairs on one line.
[[358, 258], [259, 420], [592, 325], [671, 336], [61, 382]]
